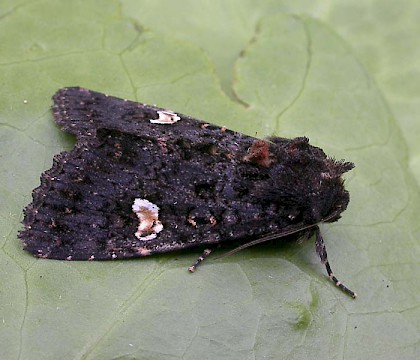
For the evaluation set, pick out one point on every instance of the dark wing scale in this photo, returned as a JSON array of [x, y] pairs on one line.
[[211, 184]]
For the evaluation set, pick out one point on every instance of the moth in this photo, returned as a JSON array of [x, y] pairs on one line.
[[142, 180]]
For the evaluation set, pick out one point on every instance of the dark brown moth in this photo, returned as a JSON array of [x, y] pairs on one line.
[[143, 180]]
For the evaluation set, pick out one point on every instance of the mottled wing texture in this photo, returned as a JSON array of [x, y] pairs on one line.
[[210, 184]]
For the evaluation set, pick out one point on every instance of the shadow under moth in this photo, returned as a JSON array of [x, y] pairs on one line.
[[142, 180]]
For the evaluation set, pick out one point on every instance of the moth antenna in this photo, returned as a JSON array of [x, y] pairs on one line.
[[205, 253], [261, 240], [290, 231], [322, 252]]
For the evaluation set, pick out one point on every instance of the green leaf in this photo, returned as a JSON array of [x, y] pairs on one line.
[[344, 74]]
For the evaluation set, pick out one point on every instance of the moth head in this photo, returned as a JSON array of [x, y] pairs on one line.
[[331, 198], [302, 178], [320, 181]]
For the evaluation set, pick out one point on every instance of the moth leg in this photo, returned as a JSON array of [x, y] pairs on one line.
[[322, 252], [193, 267]]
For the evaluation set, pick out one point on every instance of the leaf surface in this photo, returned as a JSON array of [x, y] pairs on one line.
[[346, 75]]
